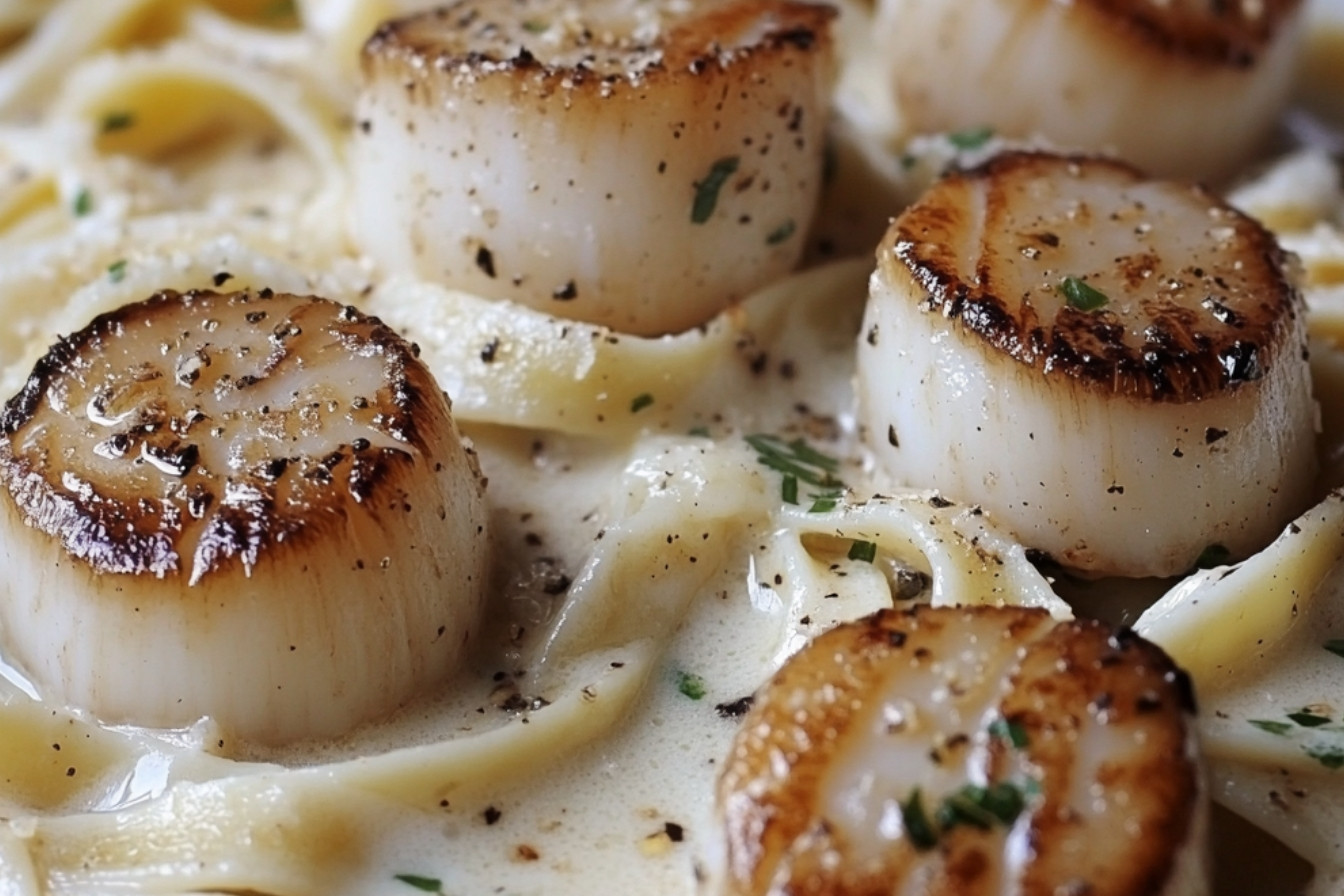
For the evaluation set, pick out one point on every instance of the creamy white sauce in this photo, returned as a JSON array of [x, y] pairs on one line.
[[632, 810]]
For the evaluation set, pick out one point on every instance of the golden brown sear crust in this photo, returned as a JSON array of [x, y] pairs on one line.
[[1069, 687], [984, 263], [141, 403], [542, 47], [1224, 32]]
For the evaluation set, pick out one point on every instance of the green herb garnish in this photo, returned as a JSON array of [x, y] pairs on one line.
[[116, 271], [1011, 732], [863, 550], [971, 806], [701, 431], [916, 822], [1335, 646], [427, 884], [1004, 800], [707, 190], [796, 458], [824, 502], [1079, 295], [640, 402], [535, 26], [967, 807], [117, 121], [781, 233], [800, 462], [691, 685], [1332, 757], [1279, 728], [83, 203], [970, 139], [1309, 719]]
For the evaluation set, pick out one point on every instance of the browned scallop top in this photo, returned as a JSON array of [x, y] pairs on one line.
[[601, 47], [1082, 267], [189, 431], [1226, 32], [1091, 725]]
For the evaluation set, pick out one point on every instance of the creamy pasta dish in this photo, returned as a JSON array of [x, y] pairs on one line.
[[663, 446]]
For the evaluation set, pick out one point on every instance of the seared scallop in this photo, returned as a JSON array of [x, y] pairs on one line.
[[960, 751], [1115, 367], [1185, 88], [639, 165], [249, 506]]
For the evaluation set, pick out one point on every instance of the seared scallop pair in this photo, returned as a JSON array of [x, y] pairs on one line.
[[206, 477]]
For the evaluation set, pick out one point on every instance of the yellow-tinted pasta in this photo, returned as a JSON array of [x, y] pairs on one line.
[[652, 567]]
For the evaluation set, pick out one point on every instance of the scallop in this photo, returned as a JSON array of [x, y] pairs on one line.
[[1185, 88], [254, 507], [1115, 367], [638, 164], [959, 751]]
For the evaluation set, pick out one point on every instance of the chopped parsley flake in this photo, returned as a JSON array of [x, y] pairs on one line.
[[1080, 296], [800, 462], [824, 501], [916, 822], [962, 808], [117, 121], [691, 685], [83, 203], [971, 806], [1335, 646], [535, 26], [707, 190], [426, 884], [981, 807], [863, 550], [970, 139], [781, 233], [1010, 732], [116, 271], [1309, 719], [1279, 728], [1332, 757], [701, 431], [640, 402]]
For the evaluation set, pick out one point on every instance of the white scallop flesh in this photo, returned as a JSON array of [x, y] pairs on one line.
[[1180, 88], [249, 506], [967, 751], [1162, 415], [639, 164]]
